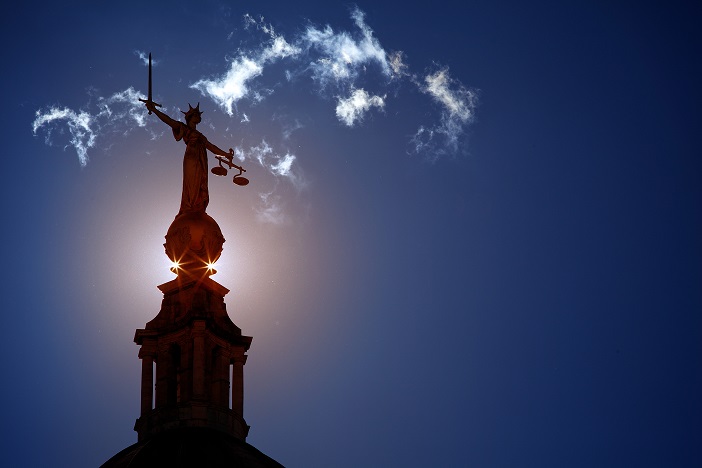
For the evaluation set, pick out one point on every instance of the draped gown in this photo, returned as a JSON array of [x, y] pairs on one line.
[[195, 197]]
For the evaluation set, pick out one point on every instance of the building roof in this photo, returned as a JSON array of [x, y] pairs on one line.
[[191, 447]]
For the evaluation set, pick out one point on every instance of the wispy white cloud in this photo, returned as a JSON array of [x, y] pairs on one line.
[[144, 57], [124, 105], [271, 210], [327, 56], [279, 164], [80, 126], [228, 89], [343, 55], [261, 153], [289, 127], [338, 61], [284, 165], [457, 112], [117, 112], [396, 60], [458, 101], [352, 109]]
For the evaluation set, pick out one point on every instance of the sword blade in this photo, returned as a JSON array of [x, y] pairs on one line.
[[149, 97]]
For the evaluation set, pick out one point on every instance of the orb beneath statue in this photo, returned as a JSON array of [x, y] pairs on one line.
[[194, 243]]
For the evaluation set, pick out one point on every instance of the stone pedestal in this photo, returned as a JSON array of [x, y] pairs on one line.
[[192, 342]]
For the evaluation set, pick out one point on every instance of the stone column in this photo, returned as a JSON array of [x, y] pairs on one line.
[[238, 384], [221, 395], [162, 377], [147, 384], [186, 387], [199, 359], [215, 375]]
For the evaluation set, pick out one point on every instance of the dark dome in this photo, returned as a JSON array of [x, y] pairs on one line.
[[191, 447]]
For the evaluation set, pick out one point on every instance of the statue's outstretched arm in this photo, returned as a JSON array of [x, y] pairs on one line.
[[216, 150], [164, 117]]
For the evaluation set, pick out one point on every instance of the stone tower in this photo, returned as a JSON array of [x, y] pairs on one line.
[[192, 360], [198, 355]]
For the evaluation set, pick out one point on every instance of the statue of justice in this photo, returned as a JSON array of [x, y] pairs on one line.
[[195, 196], [194, 239]]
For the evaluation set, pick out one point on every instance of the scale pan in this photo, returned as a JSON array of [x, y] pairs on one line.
[[219, 170], [238, 180]]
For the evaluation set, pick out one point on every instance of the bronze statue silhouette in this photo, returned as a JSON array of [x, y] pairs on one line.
[[195, 196]]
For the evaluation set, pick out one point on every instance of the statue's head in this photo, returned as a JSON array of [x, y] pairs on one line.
[[193, 113]]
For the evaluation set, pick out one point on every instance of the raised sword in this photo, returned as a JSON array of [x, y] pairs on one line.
[[148, 99]]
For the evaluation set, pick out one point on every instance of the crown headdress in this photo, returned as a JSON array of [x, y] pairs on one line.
[[192, 111]]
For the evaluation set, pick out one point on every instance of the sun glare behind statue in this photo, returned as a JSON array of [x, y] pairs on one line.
[[174, 267], [164, 268]]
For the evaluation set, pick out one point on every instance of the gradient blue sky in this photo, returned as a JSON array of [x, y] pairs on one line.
[[522, 289]]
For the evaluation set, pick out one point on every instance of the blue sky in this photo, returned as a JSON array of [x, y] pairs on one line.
[[471, 238]]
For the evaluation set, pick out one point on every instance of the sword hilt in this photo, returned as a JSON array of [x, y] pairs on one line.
[[146, 101]]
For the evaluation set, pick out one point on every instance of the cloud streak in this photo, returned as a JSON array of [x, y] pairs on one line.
[[352, 109], [342, 56], [336, 62], [228, 89], [280, 164], [457, 111], [144, 57], [117, 112], [271, 210], [80, 126]]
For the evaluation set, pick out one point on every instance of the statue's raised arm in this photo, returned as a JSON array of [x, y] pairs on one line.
[[161, 115]]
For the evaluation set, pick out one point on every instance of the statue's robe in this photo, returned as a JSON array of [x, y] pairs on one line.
[[196, 194]]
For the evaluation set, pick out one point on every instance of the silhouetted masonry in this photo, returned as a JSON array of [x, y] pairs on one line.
[[198, 355], [192, 384], [192, 355]]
